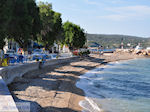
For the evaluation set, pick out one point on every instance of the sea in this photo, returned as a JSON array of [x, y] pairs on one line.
[[122, 86]]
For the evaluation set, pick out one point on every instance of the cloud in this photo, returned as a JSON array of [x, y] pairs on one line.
[[114, 17], [116, 1], [92, 2], [129, 12], [103, 2], [136, 9]]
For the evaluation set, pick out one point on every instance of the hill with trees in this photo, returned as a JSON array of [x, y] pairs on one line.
[[114, 41]]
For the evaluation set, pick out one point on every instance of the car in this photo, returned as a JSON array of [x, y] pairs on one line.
[[12, 56], [76, 52], [38, 54], [138, 48], [10, 53], [148, 48]]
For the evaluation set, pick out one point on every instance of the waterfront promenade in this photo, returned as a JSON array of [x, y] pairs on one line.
[[53, 87]]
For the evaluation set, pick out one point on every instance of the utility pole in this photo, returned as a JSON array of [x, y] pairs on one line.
[[122, 44]]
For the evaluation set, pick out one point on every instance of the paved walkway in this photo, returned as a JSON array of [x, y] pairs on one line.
[[7, 103]]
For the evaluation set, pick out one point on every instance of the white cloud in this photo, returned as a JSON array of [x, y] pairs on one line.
[[102, 2], [116, 1], [129, 12], [92, 2], [114, 17], [137, 9]]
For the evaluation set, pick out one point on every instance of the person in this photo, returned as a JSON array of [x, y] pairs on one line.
[[100, 50], [1, 56], [41, 63], [5, 61], [21, 58]]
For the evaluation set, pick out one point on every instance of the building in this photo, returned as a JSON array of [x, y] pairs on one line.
[[10, 45]]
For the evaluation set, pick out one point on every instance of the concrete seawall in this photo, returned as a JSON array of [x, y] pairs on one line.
[[7, 103], [8, 74], [11, 72]]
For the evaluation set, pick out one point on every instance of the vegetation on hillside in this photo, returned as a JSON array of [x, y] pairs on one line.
[[114, 41]]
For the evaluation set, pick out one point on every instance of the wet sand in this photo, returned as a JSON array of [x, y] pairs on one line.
[[52, 89]]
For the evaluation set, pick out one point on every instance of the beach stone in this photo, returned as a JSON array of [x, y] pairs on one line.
[[53, 87]]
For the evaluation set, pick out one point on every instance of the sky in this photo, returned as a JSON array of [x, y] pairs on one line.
[[127, 17]]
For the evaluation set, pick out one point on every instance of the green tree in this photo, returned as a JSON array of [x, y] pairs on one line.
[[5, 16], [74, 35], [25, 21], [51, 25], [36, 21]]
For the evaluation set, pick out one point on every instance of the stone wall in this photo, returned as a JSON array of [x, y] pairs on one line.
[[9, 73]]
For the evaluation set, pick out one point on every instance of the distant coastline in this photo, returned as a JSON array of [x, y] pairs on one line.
[[114, 41]]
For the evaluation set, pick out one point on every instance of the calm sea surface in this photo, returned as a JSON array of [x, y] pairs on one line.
[[118, 87]]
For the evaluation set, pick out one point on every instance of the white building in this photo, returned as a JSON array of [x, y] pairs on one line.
[[10, 45]]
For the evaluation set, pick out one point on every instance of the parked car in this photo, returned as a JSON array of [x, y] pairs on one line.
[[76, 52], [39, 54], [148, 48], [10, 53], [12, 56]]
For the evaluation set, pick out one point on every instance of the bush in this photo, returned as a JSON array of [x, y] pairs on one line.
[[85, 53], [88, 52]]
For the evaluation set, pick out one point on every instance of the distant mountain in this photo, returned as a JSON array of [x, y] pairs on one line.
[[114, 41]]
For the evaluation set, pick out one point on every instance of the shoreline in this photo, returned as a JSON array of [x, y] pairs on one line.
[[91, 100], [88, 99], [57, 91]]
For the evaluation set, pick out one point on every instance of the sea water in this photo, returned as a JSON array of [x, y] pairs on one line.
[[117, 87]]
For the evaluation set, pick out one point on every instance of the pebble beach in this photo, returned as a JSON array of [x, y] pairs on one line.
[[53, 88]]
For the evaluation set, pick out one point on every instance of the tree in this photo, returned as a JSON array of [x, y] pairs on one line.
[[51, 25], [36, 21], [74, 35], [5, 15], [23, 25]]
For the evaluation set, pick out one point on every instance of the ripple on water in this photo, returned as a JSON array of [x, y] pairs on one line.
[[119, 87]]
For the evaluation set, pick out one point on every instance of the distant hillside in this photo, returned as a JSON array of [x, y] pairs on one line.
[[114, 41]]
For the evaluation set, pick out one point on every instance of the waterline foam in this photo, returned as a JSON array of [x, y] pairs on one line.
[[89, 105]]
